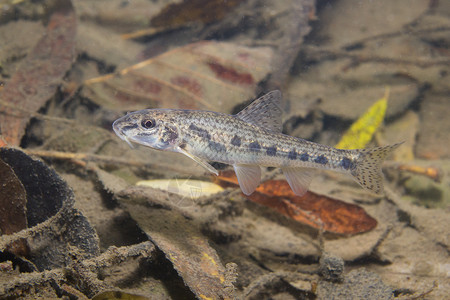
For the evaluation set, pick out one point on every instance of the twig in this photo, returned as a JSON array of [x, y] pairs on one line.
[[407, 30], [316, 53], [428, 171], [86, 157]]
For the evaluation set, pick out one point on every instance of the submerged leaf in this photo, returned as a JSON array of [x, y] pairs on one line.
[[177, 236], [183, 187], [39, 74], [315, 210], [53, 222], [13, 200], [185, 12], [363, 129], [203, 75]]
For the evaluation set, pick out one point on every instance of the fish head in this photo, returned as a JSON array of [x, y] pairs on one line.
[[148, 127]]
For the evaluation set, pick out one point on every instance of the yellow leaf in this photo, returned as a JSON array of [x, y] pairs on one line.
[[363, 129]]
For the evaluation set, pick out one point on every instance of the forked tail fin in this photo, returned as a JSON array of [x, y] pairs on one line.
[[367, 171]]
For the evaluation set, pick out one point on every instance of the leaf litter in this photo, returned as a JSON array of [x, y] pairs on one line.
[[157, 244], [39, 74]]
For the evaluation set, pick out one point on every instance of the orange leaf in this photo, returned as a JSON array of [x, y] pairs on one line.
[[315, 210]]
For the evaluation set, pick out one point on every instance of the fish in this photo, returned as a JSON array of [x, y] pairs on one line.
[[249, 140]]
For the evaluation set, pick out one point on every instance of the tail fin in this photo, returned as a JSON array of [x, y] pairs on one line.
[[367, 171]]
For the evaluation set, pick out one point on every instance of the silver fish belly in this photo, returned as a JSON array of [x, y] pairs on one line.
[[248, 140]]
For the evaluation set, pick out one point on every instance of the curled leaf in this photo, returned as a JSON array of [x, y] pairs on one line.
[[52, 221], [13, 199]]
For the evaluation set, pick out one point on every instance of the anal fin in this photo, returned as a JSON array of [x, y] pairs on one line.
[[200, 161], [298, 179], [249, 177]]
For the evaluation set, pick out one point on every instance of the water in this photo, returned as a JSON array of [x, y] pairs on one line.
[[332, 60]]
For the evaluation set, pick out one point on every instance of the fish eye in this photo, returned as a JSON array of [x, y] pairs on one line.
[[148, 123]]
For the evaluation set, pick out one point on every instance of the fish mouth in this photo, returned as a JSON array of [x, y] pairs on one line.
[[119, 132]]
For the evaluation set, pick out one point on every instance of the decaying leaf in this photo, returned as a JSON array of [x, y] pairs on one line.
[[363, 129], [184, 187], [46, 192], [185, 12], [203, 75], [315, 210], [13, 199], [180, 240], [50, 199], [39, 75]]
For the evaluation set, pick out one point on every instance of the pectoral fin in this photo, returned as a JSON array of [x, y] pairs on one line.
[[299, 179], [249, 177], [200, 161]]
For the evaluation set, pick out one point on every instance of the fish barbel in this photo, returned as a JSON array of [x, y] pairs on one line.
[[248, 140]]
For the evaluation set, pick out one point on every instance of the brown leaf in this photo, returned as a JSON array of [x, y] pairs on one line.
[[315, 210], [203, 75], [13, 200], [39, 75], [185, 12], [179, 238]]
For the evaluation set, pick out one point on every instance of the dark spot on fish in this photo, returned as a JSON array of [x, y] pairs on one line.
[[304, 156], [128, 127], [236, 141], [218, 147], [271, 151], [203, 133], [321, 159], [183, 144], [292, 155], [254, 146], [169, 136], [346, 163]]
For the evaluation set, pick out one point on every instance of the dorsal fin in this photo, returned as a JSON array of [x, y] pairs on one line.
[[264, 112]]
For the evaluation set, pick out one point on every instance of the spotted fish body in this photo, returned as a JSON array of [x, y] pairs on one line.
[[248, 140]]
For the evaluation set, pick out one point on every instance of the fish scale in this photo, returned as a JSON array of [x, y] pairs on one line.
[[248, 140]]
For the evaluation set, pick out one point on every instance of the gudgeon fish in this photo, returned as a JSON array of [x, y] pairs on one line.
[[248, 140]]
